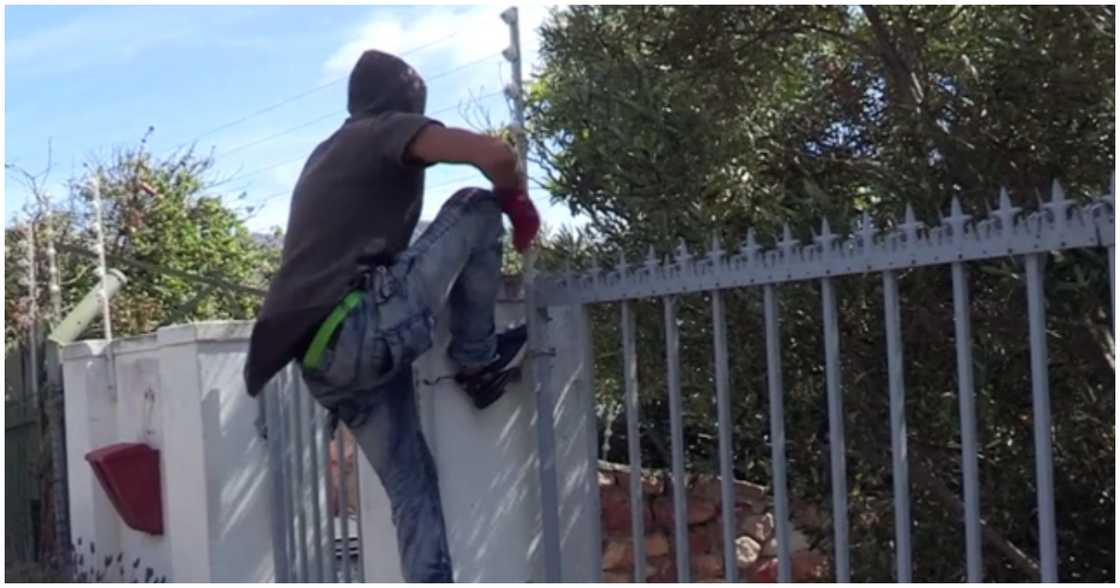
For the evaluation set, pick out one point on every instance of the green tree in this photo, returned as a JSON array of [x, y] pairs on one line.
[[165, 212], [668, 124]]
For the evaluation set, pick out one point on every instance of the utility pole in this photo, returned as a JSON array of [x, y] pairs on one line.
[[535, 368], [102, 269], [33, 310], [53, 282]]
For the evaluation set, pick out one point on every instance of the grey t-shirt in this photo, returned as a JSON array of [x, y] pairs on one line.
[[356, 203]]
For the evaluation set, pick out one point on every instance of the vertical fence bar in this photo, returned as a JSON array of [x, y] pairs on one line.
[[300, 500], [344, 505], [676, 430], [283, 395], [963, 325], [546, 445], [899, 452], [723, 409], [358, 522], [1040, 388], [328, 484], [633, 441], [777, 431], [314, 481], [836, 437], [588, 347], [1112, 281], [275, 441]]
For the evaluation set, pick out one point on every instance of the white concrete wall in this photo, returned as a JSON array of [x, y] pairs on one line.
[[181, 392], [216, 485], [487, 463]]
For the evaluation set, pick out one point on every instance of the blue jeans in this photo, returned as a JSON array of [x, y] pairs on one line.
[[365, 376]]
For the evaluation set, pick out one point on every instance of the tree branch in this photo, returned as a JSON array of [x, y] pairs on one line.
[[991, 537]]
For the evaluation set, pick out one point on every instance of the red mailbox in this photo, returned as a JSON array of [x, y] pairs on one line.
[[129, 474]]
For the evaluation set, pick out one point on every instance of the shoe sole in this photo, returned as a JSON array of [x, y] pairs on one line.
[[499, 387]]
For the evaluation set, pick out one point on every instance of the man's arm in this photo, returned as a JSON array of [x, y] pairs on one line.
[[496, 160]]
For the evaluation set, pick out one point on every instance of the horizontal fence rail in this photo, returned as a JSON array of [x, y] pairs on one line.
[[1059, 224]]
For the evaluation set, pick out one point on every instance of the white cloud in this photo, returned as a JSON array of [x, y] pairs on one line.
[[420, 36]]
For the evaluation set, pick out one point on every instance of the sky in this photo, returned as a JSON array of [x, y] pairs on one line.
[[259, 85]]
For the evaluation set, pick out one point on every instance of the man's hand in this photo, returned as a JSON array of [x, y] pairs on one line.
[[496, 160], [522, 214]]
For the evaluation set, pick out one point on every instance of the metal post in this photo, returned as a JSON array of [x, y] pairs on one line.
[[723, 408], [676, 429], [537, 367], [777, 431], [1040, 388], [1112, 281], [275, 457], [588, 388], [966, 390], [898, 428], [281, 396], [344, 506], [836, 437], [358, 523], [33, 311], [633, 441], [300, 491], [315, 481], [328, 482], [53, 281], [102, 268]]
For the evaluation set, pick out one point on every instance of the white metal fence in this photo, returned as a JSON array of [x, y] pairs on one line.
[[958, 241], [310, 544]]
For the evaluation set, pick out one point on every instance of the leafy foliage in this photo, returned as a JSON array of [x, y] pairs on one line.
[[667, 124], [167, 213]]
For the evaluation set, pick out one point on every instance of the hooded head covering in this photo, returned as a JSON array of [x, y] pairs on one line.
[[383, 83]]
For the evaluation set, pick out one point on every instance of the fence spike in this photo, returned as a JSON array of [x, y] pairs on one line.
[[866, 232], [787, 243], [956, 219], [826, 238], [1006, 212], [910, 226], [595, 269], [1058, 206], [955, 209], [716, 251], [1057, 191], [651, 260], [750, 246], [682, 252]]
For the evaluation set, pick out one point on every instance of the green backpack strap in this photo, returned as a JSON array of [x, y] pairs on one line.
[[314, 354]]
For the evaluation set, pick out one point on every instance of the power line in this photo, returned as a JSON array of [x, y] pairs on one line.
[[326, 116], [287, 161], [279, 134], [305, 93]]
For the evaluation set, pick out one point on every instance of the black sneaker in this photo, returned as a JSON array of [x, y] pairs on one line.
[[486, 385]]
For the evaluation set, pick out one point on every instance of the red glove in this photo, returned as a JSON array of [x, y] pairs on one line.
[[522, 214]]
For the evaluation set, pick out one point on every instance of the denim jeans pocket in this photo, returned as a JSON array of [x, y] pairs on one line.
[[408, 340]]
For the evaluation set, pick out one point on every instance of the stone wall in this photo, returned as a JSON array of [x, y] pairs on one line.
[[756, 544]]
